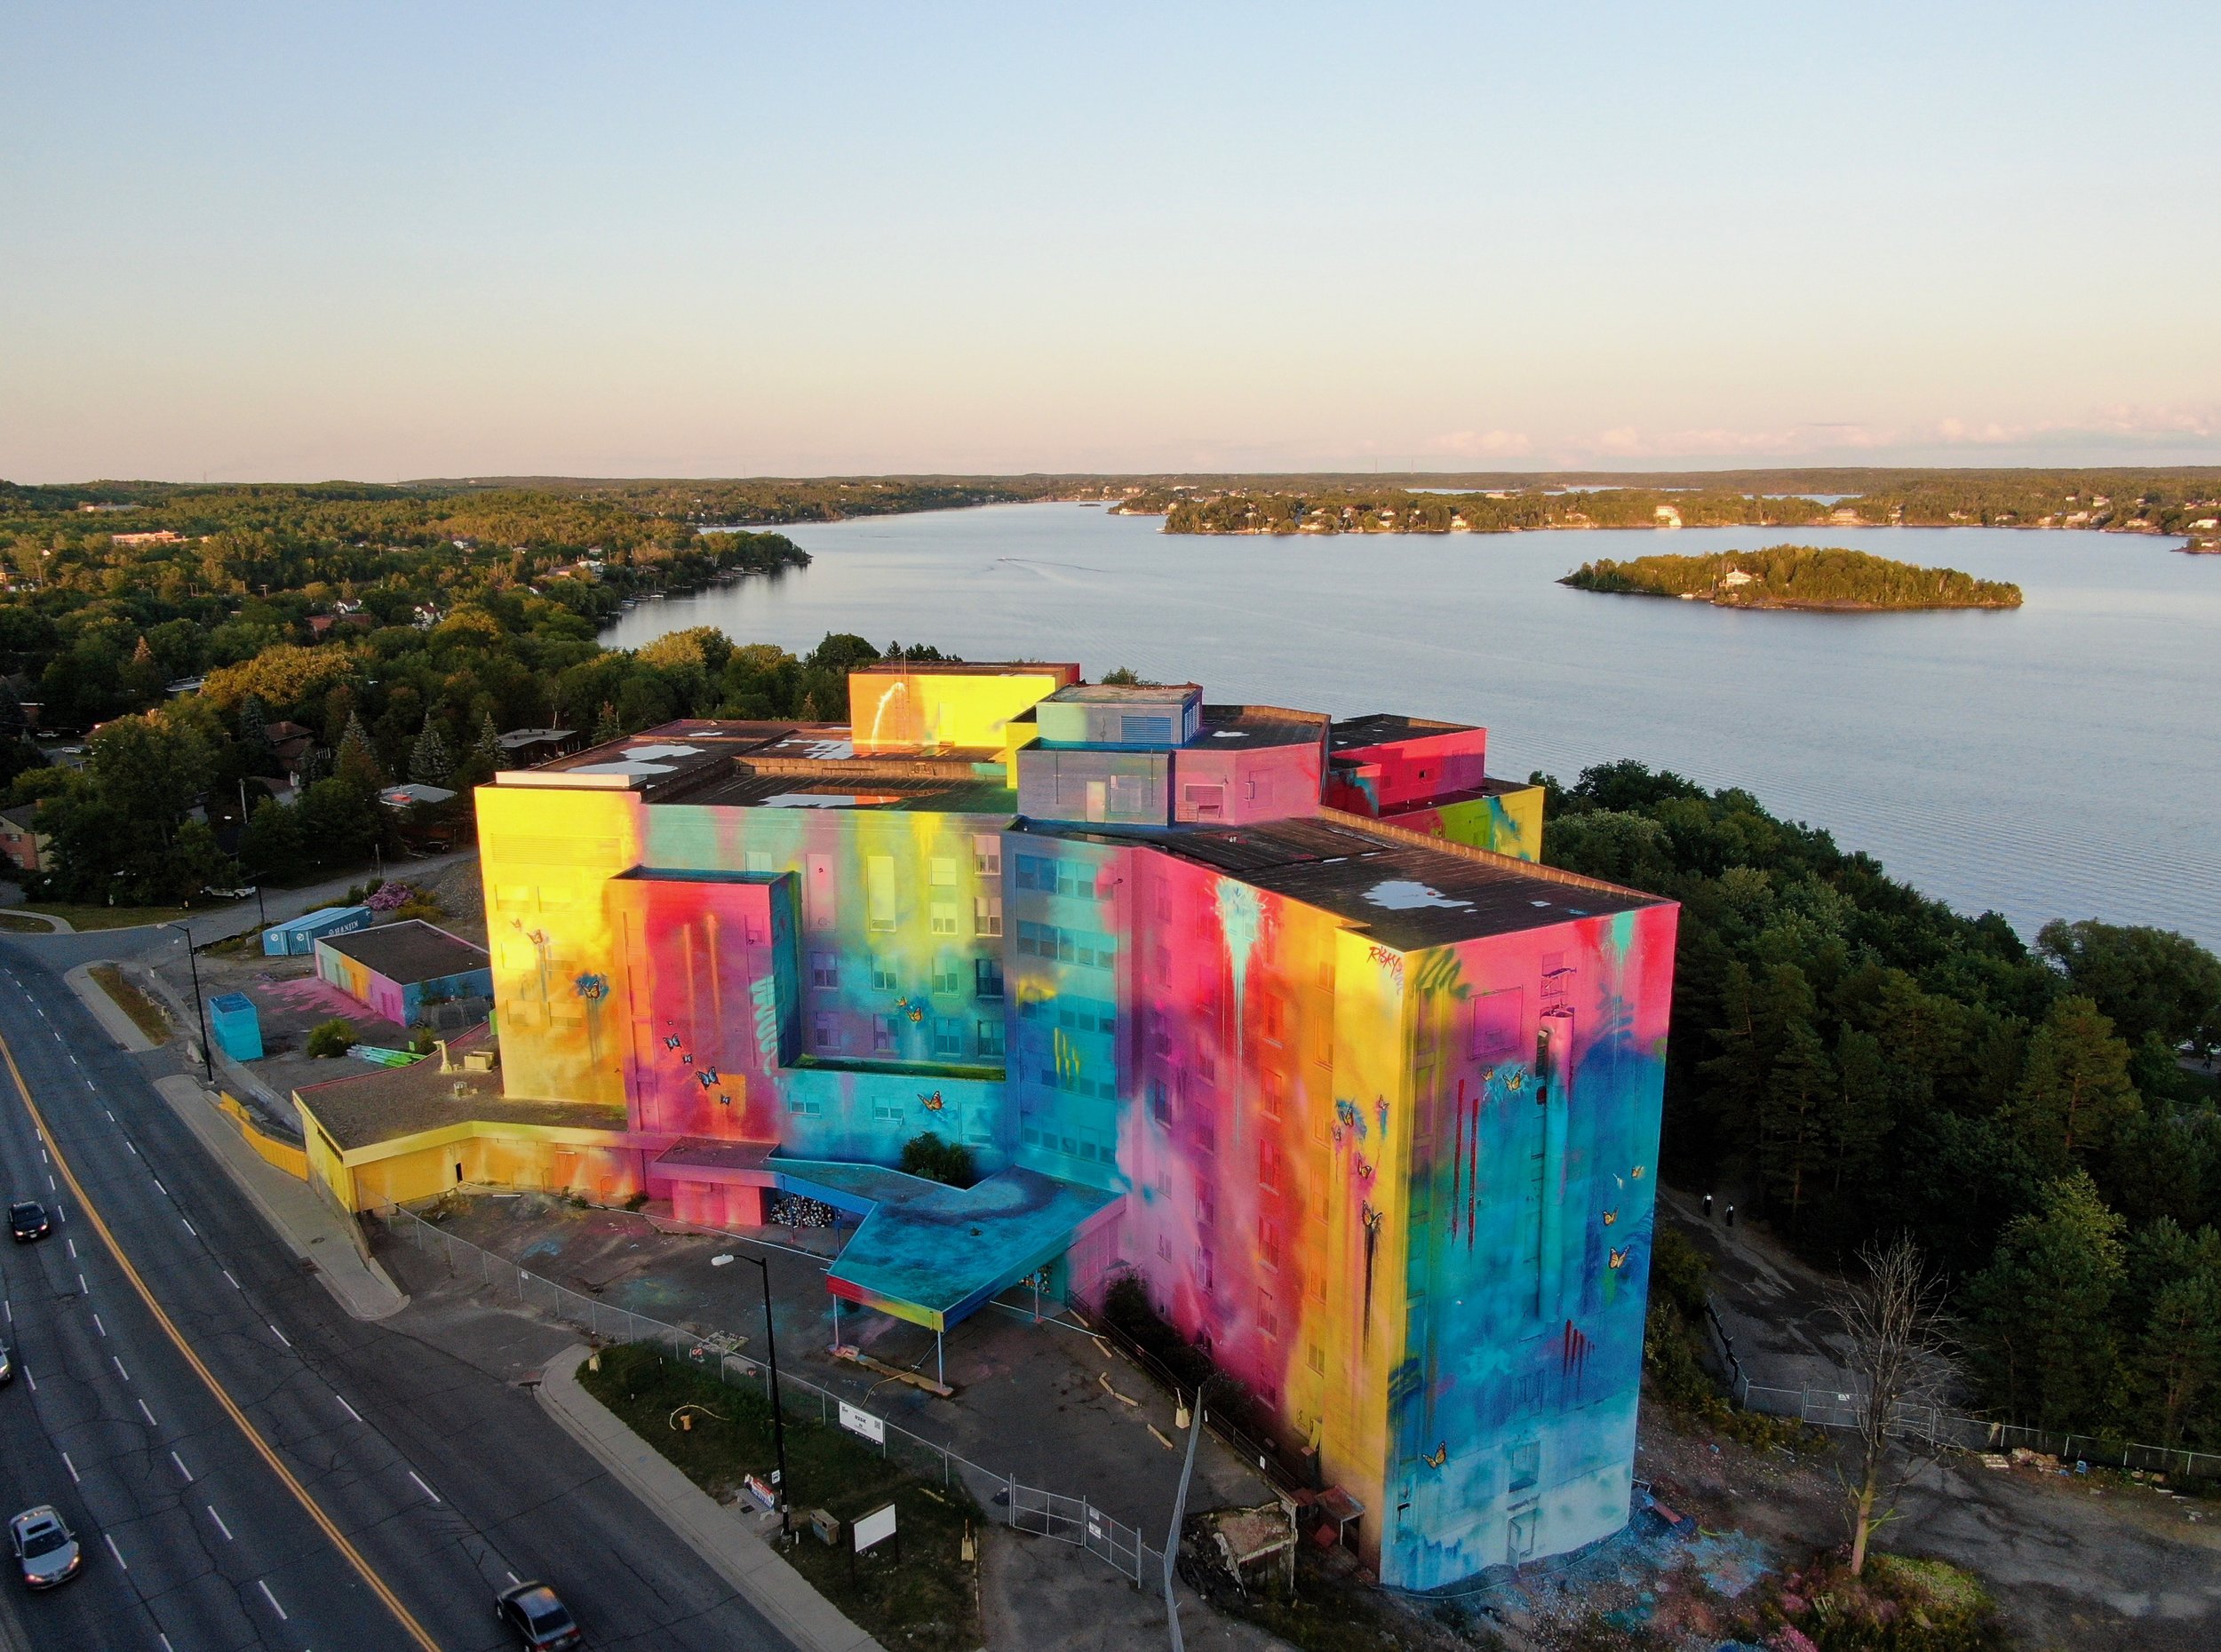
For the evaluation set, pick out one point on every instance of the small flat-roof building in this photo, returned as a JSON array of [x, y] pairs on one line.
[[396, 969]]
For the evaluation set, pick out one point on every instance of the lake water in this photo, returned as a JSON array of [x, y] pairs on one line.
[[2063, 759]]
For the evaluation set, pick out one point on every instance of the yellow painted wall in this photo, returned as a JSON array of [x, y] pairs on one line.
[[285, 1154], [544, 854], [940, 711], [1372, 1075]]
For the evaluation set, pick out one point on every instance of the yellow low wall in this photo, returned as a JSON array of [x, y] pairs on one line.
[[285, 1154]]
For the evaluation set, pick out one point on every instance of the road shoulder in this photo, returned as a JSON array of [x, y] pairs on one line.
[[725, 1543]]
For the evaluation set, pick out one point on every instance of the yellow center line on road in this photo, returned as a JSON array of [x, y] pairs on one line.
[[378, 1585]]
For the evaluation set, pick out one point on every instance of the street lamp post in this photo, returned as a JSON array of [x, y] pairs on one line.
[[200, 1016], [778, 1421]]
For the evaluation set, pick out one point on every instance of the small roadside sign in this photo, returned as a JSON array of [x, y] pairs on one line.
[[861, 1422], [874, 1528]]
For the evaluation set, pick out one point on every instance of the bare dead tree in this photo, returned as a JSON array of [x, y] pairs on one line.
[[1899, 1353]]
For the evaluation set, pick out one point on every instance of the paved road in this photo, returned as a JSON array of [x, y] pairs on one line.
[[217, 923], [446, 1481]]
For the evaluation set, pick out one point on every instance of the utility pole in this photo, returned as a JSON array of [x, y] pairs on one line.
[[778, 1417], [1180, 1519], [200, 1016]]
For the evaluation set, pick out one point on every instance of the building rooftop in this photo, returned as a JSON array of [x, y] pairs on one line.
[[1408, 892], [1242, 726], [1381, 729], [409, 951], [1068, 670], [1121, 693], [829, 788], [399, 1101]]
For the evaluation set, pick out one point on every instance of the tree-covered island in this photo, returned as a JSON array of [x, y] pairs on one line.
[[1795, 576]]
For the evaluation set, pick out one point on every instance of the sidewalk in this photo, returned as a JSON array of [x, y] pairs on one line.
[[719, 1536]]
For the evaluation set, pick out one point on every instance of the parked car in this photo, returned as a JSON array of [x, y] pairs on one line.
[[27, 1220], [544, 1623], [45, 1549], [7, 1364]]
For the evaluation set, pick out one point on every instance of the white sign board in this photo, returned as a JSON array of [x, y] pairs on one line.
[[855, 1422], [876, 1527]]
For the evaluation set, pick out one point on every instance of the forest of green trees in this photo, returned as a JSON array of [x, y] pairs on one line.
[[403, 632], [2163, 502], [1870, 1062], [1795, 576]]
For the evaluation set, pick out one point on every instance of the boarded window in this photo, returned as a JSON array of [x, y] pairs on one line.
[[878, 888]]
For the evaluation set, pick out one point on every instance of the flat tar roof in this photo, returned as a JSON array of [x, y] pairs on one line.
[[1381, 729], [407, 952], [1408, 894], [1240, 727]]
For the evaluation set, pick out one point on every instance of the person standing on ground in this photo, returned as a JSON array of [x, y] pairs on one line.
[[1707, 1207], [1730, 1215]]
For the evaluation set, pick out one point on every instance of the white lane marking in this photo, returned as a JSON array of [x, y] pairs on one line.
[[149, 1415], [279, 1335], [75, 1478], [98, 1326], [111, 1116], [117, 1552], [190, 1229], [127, 1142], [349, 1410], [422, 1487], [71, 1245], [43, 1159], [182, 1469], [11, 1308], [515, 1581], [159, 1189], [84, 1289], [218, 1519], [235, 1284], [49, 1186], [120, 1371], [271, 1598], [166, 1647]]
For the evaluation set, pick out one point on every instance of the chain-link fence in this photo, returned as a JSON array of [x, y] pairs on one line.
[[1837, 1408], [1025, 1508]]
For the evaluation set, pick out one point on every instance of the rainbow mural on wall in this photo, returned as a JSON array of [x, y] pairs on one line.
[[1274, 1014]]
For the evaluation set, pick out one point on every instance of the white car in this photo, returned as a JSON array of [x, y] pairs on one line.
[[45, 1549]]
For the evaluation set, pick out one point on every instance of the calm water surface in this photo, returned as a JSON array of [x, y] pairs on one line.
[[2060, 760]]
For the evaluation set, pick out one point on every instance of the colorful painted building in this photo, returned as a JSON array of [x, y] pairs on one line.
[[1274, 1015]]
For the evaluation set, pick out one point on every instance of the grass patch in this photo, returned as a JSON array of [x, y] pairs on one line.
[[929, 1601], [145, 1012], [24, 925], [89, 917], [1330, 1610], [1899, 1604]]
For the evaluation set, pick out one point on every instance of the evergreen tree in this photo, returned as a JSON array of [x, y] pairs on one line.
[[429, 763], [357, 761], [489, 744], [2041, 1312], [607, 727], [2074, 1096], [1798, 1090]]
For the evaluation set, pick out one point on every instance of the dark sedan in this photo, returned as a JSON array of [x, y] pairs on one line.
[[27, 1220], [543, 1622]]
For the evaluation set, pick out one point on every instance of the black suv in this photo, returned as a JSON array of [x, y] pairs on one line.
[[27, 1220]]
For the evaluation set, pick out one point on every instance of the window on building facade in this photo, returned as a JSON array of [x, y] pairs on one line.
[[947, 975], [990, 1044], [825, 1031], [886, 1112], [1269, 1245], [1314, 1356], [944, 917], [942, 871], [755, 860], [879, 889], [1159, 1101], [1272, 1018], [987, 978], [987, 915], [1269, 1165], [824, 970], [948, 1036], [1272, 1091], [883, 1034], [987, 854], [884, 975]]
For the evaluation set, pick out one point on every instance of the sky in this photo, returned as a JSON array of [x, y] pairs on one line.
[[287, 242]]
